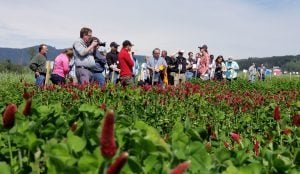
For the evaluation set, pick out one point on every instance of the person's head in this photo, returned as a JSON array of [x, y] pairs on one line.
[[114, 46], [262, 65], [203, 48], [127, 45], [92, 39], [219, 59], [180, 53], [69, 52], [156, 52], [211, 58], [190, 54], [164, 53], [43, 49], [85, 34], [230, 59]]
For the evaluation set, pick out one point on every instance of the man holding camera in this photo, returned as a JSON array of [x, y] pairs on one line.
[[84, 57]]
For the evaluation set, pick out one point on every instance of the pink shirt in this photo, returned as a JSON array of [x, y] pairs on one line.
[[204, 63], [61, 65]]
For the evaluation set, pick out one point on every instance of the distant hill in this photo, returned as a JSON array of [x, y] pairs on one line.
[[286, 63], [22, 56]]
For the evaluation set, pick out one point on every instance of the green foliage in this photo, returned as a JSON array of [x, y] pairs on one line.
[[159, 128]]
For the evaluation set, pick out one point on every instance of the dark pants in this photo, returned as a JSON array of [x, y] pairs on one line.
[[127, 80], [84, 75], [57, 80]]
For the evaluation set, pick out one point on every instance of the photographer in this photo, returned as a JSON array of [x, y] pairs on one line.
[[84, 57], [100, 61]]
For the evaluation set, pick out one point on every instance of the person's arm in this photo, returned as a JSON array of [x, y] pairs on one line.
[[149, 65], [235, 66], [129, 60], [65, 63], [82, 50], [34, 65]]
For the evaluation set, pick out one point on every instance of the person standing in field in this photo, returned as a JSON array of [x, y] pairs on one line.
[[136, 67], [126, 63], [231, 69], [100, 61], [156, 65], [145, 75], [72, 73], [262, 72], [197, 66], [204, 63], [84, 58], [219, 68], [38, 65], [211, 71], [180, 68], [61, 67], [171, 62], [113, 63], [190, 66], [252, 73]]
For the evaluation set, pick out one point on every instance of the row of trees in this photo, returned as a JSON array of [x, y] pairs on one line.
[[286, 63], [8, 66]]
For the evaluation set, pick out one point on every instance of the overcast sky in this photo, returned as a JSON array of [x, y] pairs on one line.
[[239, 28]]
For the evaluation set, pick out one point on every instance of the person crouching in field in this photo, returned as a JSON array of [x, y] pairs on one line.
[[38, 65], [61, 67]]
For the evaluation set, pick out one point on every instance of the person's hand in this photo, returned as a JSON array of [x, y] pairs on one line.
[[94, 43]]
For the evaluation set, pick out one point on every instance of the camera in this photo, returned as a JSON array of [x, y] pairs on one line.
[[103, 44]]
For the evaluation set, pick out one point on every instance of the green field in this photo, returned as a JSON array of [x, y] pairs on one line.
[[218, 127]]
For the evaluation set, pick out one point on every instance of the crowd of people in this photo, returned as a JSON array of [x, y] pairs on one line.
[[259, 72], [88, 62]]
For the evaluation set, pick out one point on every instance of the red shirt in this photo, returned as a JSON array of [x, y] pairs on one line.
[[125, 62]]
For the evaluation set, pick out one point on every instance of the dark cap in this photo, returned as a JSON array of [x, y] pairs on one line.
[[127, 43], [203, 47], [114, 44]]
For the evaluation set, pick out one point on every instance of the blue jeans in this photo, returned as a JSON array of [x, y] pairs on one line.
[[189, 75], [40, 80], [99, 78]]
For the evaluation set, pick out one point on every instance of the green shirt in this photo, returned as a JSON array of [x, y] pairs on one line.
[[38, 63]]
